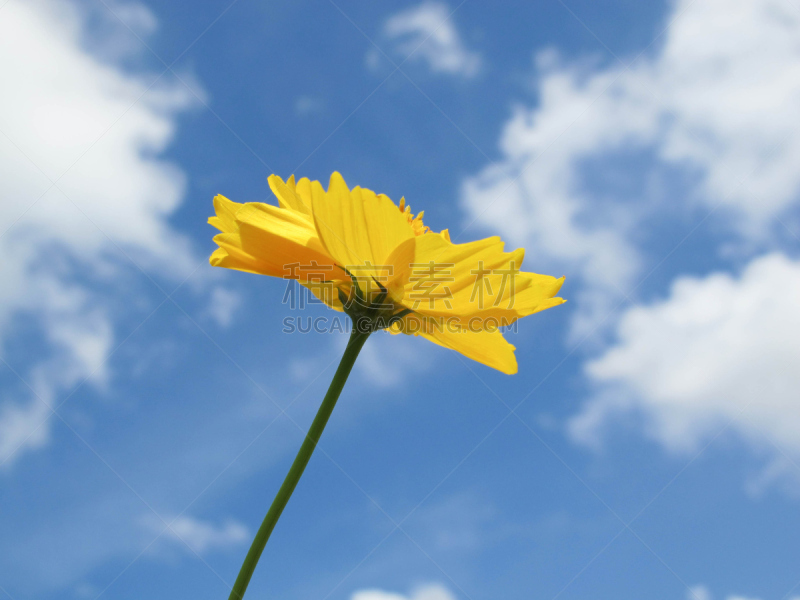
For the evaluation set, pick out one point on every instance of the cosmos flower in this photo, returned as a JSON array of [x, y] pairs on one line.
[[361, 253]]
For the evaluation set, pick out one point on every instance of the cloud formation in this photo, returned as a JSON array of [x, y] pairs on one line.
[[85, 191], [204, 536], [223, 305], [426, 592], [718, 350], [701, 592], [714, 106], [428, 31]]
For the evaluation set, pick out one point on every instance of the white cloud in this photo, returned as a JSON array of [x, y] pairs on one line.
[[390, 360], [427, 592], [203, 536], [780, 472], [429, 32], [701, 592], [463, 522], [393, 358], [698, 592], [80, 337], [97, 130], [718, 349], [716, 101], [21, 426], [222, 305]]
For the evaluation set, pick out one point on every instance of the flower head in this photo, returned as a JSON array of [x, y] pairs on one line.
[[361, 253]]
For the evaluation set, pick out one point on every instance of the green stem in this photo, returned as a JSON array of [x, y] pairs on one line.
[[354, 345]]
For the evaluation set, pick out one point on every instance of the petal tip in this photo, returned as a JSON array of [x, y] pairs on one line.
[[336, 180]]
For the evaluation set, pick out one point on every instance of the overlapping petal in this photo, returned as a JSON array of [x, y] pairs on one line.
[[455, 295], [476, 283], [488, 347], [265, 239], [359, 228]]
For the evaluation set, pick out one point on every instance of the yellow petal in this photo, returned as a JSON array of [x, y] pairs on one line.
[[456, 262], [231, 256], [387, 226], [265, 239], [486, 347], [359, 228], [462, 282], [288, 198], [341, 225], [222, 258], [494, 300], [308, 190], [225, 219], [459, 293]]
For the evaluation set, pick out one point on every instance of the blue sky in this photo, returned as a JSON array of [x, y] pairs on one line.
[[151, 405]]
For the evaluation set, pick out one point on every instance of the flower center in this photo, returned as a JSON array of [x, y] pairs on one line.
[[415, 221]]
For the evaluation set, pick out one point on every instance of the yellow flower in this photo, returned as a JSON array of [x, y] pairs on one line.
[[360, 252]]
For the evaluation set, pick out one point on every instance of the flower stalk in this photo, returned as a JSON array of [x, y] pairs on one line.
[[414, 280], [354, 345]]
